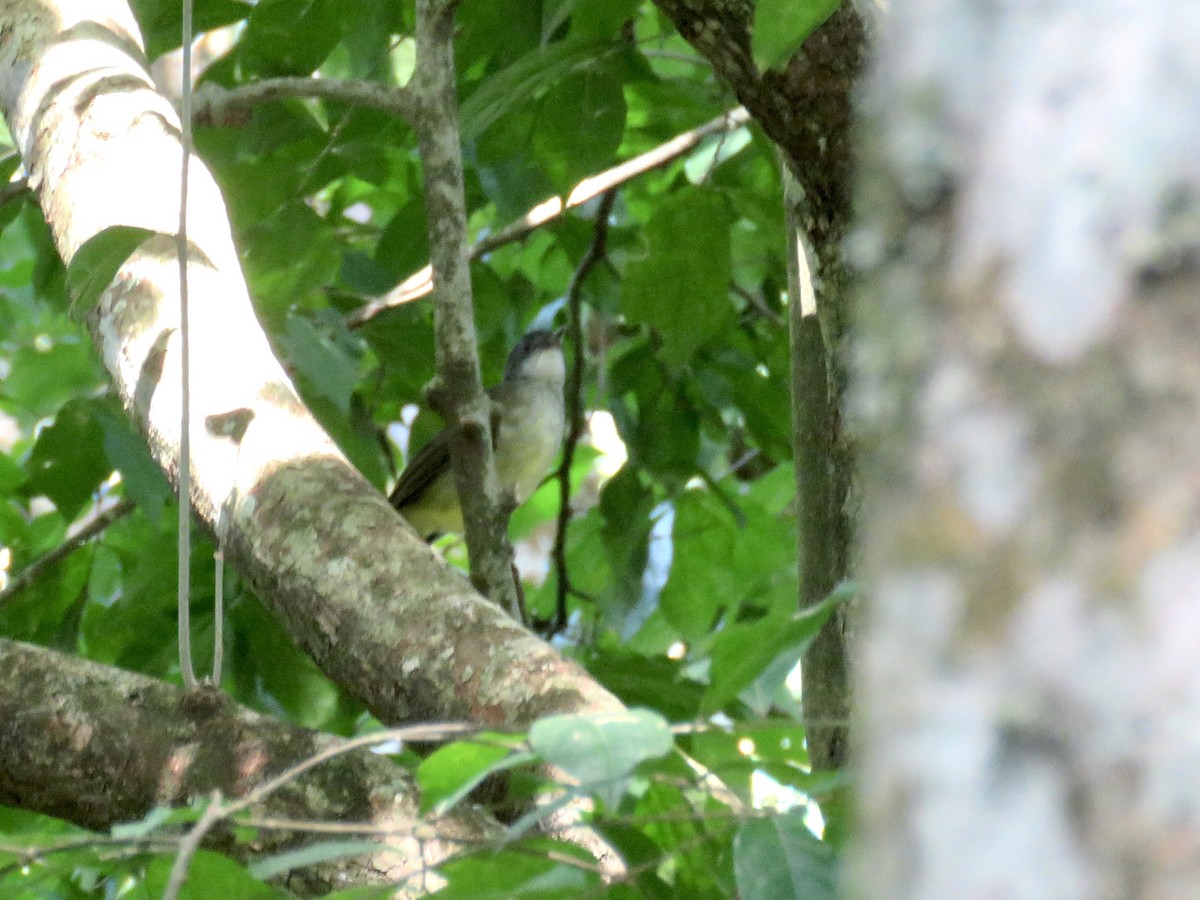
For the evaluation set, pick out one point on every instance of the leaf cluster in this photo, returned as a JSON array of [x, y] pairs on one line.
[[681, 555]]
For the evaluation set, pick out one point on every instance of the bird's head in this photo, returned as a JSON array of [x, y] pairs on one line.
[[538, 355]]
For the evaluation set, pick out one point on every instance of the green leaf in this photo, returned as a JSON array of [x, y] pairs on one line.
[[510, 874], [95, 264], [521, 82], [602, 749], [780, 27], [654, 681], [326, 365], [11, 476], [712, 578], [742, 652], [452, 771], [154, 820], [312, 855], [602, 18], [285, 37], [680, 288], [68, 462], [48, 372], [580, 123], [209, 875], [778, 858], [280, 278], [141, 477]]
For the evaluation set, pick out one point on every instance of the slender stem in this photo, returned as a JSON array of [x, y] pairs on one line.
[[575, 419], [458, 390], [185, 441], [213, 813]]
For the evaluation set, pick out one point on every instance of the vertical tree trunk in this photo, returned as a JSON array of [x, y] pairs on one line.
[[806, 109], [1029, 383]]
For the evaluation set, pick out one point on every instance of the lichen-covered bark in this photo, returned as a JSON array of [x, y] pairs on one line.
[[98, 746], [374, 605], [806, 109], [1029, 386]]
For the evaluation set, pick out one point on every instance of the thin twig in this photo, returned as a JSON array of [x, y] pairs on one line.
[[50, 558], [190, 843], [575, 420], [218, 810], [420, 284], [413, 733]]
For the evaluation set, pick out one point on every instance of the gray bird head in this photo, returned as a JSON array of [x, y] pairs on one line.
[[537, 355]]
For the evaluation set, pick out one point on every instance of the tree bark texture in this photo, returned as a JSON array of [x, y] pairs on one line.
[[98, 746], [375, 607], [1029, 388], [806, 109]]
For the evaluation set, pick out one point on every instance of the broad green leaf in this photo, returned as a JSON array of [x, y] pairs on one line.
[[11, 476], [742, 652], [210, 875], [778, 858], [47, 373], [601, 18], [680, 288], [780, 27], [141, 477], [325, 364], [652, 681], [280, 278], [156, 819], [490, 36], [95, 264], [580, 123], [524, 80], [448, 770], [285, 37], [601, 749], [272, 673], [68, 462], [511, 874], [712, 576]]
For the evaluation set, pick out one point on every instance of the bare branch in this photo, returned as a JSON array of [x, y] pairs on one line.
[[458, 391], [216, 105], [97, 745]]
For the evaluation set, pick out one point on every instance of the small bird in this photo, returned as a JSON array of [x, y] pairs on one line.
[[528, 418]]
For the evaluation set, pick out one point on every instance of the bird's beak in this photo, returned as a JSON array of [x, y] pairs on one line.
[[559, 333]]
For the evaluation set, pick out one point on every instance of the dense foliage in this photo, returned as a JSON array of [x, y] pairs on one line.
[[681, 559]]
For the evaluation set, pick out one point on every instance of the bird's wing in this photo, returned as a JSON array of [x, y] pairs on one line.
[[430, 462], [422, 470]]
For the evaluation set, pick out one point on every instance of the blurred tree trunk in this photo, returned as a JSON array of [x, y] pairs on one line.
[[1029, 383]]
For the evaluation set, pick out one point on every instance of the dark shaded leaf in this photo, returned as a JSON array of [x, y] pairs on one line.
[[778, 858]]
